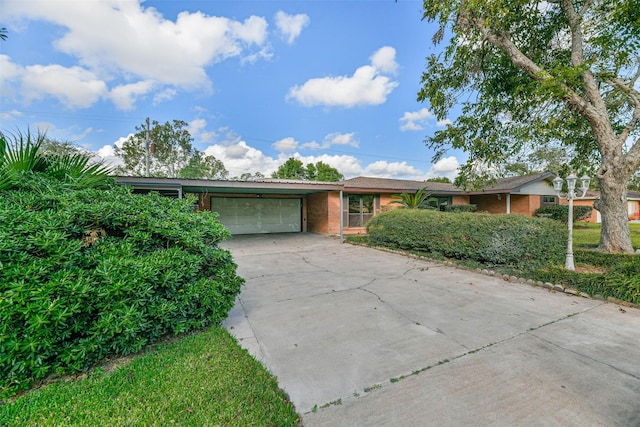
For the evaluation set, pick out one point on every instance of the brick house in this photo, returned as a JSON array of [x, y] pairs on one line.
[[336, 208], [633, 205]]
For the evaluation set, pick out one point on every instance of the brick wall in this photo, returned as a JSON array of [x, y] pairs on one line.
[[460, 200], [490, 203], [524, 204], [317, 208]]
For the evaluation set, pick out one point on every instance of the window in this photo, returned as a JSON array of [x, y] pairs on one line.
[[547, 201], [361, 209], [440, 202]]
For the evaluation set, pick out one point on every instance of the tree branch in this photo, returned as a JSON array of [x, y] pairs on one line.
[[632, 158], [634, 98]]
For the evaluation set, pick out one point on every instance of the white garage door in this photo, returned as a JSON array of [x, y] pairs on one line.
[[249, 216]]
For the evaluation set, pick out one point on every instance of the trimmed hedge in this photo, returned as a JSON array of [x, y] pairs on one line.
[[512, 240], [460, 208], [561, 212], [100, 272]]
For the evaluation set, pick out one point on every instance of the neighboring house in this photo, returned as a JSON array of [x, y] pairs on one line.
[[336, 208], [633, 205]]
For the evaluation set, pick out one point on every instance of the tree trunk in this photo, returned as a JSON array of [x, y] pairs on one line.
[[614, 235]]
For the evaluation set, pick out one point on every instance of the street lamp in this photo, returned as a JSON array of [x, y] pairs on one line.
[[571, 194]]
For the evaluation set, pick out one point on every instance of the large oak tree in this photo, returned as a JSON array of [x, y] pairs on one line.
[[532, 73]]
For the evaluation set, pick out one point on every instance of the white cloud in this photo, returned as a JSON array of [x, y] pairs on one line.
[[10, 115], [81, 135], [447, 167], [108, 155], [74, 87], [196, 126], [123, 38], [239, 158], [124, 96], [9, 72], [290, 26], [335, 138], [198, 130], [416, 120], [398, 170], [285, 145], [165, 95], [367, 85], [384, 59]]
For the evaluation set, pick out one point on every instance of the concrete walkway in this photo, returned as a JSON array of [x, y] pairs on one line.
[[362, 337]]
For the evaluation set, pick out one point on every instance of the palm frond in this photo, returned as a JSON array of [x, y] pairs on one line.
[[420, 200], [77, 170], [19, 156]]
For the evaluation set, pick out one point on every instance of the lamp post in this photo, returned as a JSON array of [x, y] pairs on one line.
[[571, 194]]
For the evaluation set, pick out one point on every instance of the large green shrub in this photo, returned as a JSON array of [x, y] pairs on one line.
[[86, 274], [491, 239], [561, 212]]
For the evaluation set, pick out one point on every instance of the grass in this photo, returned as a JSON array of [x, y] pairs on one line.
[[203, 379], [587, 234]]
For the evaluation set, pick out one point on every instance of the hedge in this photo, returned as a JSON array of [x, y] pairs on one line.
[[561, 212], [86, 274], [512, 240]]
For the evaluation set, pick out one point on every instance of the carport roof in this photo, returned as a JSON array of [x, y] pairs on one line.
[[266, 186]]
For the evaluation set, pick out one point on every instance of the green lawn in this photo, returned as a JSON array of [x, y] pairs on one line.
[[203, 379], [588, 234]]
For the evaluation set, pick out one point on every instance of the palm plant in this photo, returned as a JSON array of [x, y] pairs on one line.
[[421, 199], [21, 157]]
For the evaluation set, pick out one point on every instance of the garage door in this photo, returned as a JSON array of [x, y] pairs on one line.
[[249, 216]]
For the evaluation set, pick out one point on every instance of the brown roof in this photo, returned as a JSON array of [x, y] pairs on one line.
[[396, 185], [503, 185], [506, 185]]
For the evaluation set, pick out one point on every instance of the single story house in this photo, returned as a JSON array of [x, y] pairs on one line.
[[633, 205], [336, 208]]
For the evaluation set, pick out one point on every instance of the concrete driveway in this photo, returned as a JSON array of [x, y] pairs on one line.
[[358, 336]]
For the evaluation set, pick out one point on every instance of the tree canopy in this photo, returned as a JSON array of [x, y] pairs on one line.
[[295, 169], [533, 73], [170, 151]]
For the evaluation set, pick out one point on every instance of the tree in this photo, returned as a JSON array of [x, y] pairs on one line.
[[542, 159], [538, 73], [3, 33], [323, 172], [291, 169], [295, 169], [202, 166], [442, 179], [421, 199], [248, 176], [56, 147], [171, 153]]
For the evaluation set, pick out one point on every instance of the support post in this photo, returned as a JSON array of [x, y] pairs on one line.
[[341, 219]]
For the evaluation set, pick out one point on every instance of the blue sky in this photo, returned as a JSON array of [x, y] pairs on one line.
[[257, 81]]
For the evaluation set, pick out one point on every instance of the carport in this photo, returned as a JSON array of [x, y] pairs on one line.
[[250, 207]]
